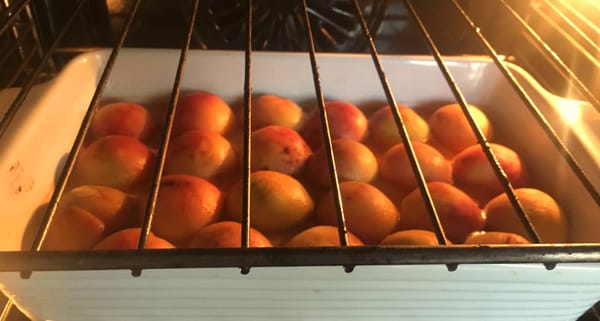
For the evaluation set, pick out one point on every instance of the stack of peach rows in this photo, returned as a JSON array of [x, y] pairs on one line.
[[199, 201]]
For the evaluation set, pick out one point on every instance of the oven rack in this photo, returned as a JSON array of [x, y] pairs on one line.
[[37, 64]]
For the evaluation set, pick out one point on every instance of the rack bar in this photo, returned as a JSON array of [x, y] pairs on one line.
[[567, 156], [588, 42], [70, 162], [25, 62], [8, 306], [557, 62], [12, 15], [412, 157], [481, 139], [36, 37], [7, 52], [298, 257], [164, 142], [245, 241], [589, 26], [567, 37], [14, 107], [335, 184]]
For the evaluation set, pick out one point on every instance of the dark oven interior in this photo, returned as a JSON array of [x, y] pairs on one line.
[[555, 41]]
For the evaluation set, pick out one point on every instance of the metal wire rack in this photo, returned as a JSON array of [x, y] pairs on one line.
[[29, 59]]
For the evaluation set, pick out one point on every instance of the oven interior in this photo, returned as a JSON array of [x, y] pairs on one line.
[[555, 41]]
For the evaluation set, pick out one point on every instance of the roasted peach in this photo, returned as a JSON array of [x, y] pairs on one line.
[[411, 237], [270, 110], [345, 121], [73, 228], [473, 173], [122, 118], [226, 234], [116, 209], [368, 213], [395, 166], [320, 236], [544, 212], [184, 205], [483, 237], [201, 153], [278, 149], [458, 213], [202, 111], [354, 162], [116, 161], [278, 202], [383, 132], [450, 129], [128, 239]]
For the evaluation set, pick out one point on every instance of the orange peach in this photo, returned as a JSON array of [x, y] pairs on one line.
[[458, 213], [270, 110], [116, 209], [354, 162], [203, 111], [320, 236], [395, 166], [278, 202], [116, 161], [278, 149], [122, 118], [411, 237], [128, 240], [345, 121], [383, 132], [73, 228], [185, 204], [201, 153], [368, 213], [226, 234], [473, 173], [544, 212], [483, 237], [450, 129]]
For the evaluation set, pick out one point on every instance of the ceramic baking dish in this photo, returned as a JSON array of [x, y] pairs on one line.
[[41, 135]]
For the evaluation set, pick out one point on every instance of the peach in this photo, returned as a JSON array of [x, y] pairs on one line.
[[345, 121], [458, 213], [543, 211], [184, 205], [278, 202], [395, 167], [411, 237], [278, 149], [73, 228], [473, 173], [116, 161], [203, 111], [320, 236], [354, 162], [200, 153], [368, 213], [122, 118], [128, 239], [450, 129], [116, 209], [270, 110], [383, 132], [226, 234], [482, 237]]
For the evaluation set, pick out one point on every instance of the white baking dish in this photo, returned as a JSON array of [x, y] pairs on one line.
[[43, 131]]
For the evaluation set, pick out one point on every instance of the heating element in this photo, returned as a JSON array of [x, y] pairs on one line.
[[554, 40]]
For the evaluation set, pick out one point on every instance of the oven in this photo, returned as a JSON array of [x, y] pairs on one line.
[[532, 66]]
